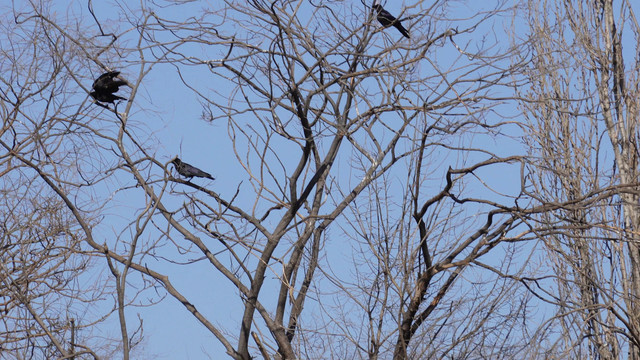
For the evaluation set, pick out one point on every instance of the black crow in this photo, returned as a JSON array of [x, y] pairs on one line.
[[189, 171], [105, 97], [105, 86], [107, 82], [386, 19]]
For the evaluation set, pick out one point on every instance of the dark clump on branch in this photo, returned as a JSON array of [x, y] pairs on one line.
[[105, 86], [386, 19], [189, 171], [105, 97]]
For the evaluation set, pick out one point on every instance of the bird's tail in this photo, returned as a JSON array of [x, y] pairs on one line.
[[402, 30]]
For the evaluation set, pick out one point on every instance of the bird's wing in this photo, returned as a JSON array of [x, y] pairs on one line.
[[104, 79], [385, 17], [119, 82], [194, 171]]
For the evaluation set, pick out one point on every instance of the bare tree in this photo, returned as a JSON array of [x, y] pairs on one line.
[[356, 216], [582, 111], [54, 296], [318, 95]]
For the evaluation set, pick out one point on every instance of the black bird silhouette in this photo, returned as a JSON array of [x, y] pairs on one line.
[[189, 171], [386, 19], [105, 97], [105, 86]]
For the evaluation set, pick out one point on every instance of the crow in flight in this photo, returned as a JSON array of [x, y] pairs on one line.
[[105, 86], [189, 171], [386, 19]]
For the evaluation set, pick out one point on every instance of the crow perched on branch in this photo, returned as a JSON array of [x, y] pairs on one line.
[[105, 86], [189, 171], [386, 19]]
